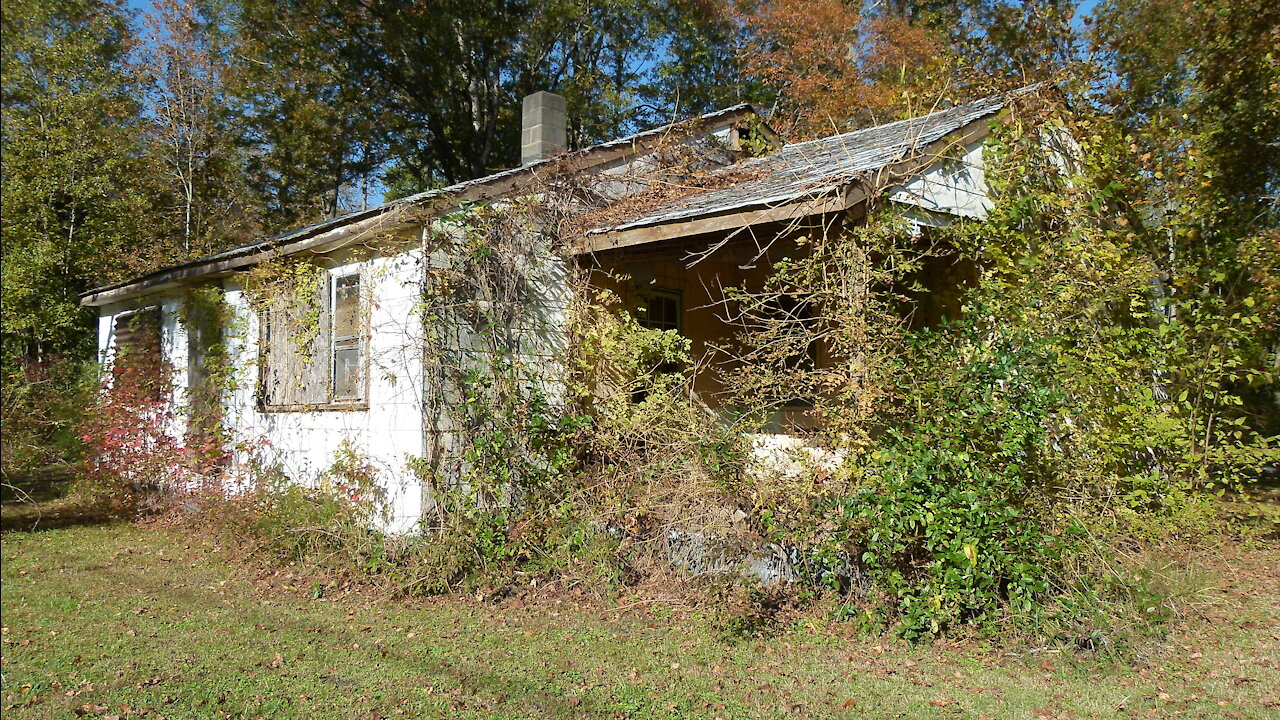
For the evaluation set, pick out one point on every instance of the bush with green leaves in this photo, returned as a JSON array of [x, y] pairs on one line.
[[1065, 398], [947, 539], [949, 519]]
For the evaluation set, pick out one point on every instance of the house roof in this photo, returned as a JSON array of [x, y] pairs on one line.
[[802, 178], [489, 186], [818, 166], [800, 174]]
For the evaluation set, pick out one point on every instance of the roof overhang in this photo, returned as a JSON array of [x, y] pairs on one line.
[[322, 240]]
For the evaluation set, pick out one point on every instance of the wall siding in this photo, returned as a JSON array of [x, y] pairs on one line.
[[403, 419]]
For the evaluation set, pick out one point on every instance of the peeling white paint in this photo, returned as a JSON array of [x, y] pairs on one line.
[[956, 187], [389, 433]]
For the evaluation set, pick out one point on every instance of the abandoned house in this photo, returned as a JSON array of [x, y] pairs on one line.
[[373, 346]]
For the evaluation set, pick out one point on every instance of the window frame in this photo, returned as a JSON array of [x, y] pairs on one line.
[[327, 318], [138, 339], [643, 297], [791, 308], [647, 294], [358, 341]]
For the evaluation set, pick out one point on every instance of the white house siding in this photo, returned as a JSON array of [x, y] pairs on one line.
[[954, 187], [388, 434], [407, 417], [304, 444]]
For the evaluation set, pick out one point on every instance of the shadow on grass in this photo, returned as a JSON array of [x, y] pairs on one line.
[[47, 499], [1256, 505]]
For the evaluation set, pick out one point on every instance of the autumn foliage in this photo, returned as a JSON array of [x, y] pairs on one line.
[[836, 67], [133, 434]]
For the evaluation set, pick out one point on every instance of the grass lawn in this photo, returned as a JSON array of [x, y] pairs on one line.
[[120, 620]]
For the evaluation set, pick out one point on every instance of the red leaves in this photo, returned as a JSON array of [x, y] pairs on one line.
[[128, 435], [135, 435]]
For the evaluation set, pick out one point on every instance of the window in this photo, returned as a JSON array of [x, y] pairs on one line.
[[137, 336], [313, 348], [795, 321], [348, 339], [661, 309], [139, 364], [792, 319], [204, 395]]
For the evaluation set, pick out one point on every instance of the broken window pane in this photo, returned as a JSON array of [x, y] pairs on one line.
[[295, 369], [660, 309], [347, 362], [139, 360], [346, 307]]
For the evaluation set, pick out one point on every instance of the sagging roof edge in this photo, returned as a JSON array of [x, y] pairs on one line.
[[834, 197], [331, 232]]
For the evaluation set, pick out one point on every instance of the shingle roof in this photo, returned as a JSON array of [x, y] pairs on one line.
[[798, 171], [819, 167]]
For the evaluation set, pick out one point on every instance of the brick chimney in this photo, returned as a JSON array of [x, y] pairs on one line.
[[543, 124]]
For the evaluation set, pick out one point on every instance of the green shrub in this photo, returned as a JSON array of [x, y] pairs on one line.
[[948, 538]]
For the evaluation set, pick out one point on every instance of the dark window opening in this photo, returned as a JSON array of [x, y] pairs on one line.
[[794, 319], [661, 309], [139, 363]]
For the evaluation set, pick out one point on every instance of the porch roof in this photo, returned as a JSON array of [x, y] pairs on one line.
[[803, 178]]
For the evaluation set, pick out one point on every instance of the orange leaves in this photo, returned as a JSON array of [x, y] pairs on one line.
[[835, 68]]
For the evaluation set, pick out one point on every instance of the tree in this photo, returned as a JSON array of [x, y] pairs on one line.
[[1198, 85], [76, 204], [700, 69], [306, 115], [74, 187], [453, 77], [834, 67], [1195, 87], [430, 94], [184, 59], [1020, 42]]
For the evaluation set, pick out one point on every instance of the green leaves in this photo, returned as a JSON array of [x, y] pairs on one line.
[[1085, 383], [73, 183], [77, 199], [942, 534]]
